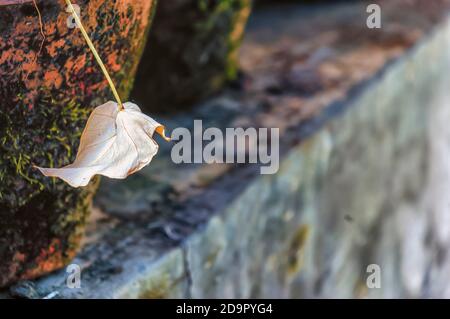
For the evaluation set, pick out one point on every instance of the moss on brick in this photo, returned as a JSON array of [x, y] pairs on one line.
[[191, 52], [47, 97]]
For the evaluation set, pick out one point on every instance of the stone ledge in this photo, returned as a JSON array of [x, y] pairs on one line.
[[353, 151]]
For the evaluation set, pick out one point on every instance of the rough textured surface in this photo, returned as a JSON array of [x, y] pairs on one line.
[[191, 52], [47, 94], [363, 178]]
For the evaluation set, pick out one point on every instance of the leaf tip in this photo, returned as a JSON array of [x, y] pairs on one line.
[[162, 131]]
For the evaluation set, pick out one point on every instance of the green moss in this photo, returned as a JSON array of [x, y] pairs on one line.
[[230, 15], [297, 250], [157, 288], [189, 58], [41, 218], [49, 139]]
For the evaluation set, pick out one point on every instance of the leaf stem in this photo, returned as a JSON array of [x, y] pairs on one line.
[[95, 53]]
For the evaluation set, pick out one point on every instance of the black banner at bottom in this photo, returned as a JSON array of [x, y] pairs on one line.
[[213, 308]]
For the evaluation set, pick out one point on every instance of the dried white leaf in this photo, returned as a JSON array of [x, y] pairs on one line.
[[115, 143]]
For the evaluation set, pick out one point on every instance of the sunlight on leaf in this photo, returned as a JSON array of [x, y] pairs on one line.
[[115, 143]]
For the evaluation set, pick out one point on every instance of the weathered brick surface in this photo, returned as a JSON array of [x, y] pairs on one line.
[[191, 52], [47, 94]]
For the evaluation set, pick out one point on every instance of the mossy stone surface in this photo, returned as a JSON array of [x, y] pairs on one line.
[[48, 89], [191, 52]]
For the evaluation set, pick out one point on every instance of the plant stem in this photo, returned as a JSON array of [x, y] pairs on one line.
[[97, 57]]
